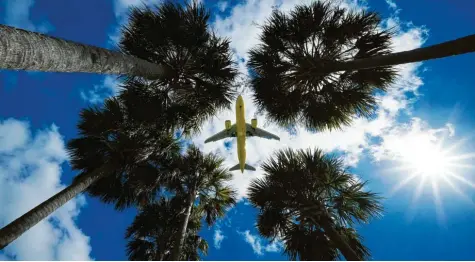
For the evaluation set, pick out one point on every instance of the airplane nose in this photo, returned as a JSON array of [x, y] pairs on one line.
[[239, 99]]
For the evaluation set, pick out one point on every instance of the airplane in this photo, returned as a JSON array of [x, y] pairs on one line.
[[241, 129]]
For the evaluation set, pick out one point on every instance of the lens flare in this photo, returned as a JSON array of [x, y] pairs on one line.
[[430, 165]]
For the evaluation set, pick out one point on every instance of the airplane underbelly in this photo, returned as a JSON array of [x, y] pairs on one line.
[[241, 132], [241, 149]]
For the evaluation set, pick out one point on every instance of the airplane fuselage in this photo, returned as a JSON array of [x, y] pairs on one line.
[[241, 132]]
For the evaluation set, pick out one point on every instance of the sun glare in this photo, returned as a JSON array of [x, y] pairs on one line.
[[426, 159], [432, 166]]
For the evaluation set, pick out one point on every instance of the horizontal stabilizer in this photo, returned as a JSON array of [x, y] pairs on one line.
[[246, 167]]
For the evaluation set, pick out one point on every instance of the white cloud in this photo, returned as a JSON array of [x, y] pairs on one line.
[[222, 6], [121, 9], [257, 246], [353, 140], [391, 4], [30, 172], [218, 238], [242, 26], [17, 14], [108, 87], [243, 30], [410, 140]]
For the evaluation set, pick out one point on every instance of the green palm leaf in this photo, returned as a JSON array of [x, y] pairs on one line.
[[200, 70], [292, 66], [310, 201]]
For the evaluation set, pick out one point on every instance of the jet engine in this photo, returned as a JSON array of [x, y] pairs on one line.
[[227, 124], [254, 123]]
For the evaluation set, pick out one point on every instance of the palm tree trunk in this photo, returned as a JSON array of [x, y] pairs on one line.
[[25, 50], [181, 237], [20, 225], [455, 47], [342, 245]]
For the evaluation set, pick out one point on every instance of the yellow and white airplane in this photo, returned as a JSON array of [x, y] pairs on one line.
[[241, 129]]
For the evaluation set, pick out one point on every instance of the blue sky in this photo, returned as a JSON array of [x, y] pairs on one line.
[[433, 102]]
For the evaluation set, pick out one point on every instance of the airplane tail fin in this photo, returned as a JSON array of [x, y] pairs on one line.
[[246, 167]]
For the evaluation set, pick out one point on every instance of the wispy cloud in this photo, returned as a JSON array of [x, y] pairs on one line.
[[257, 246], [354, 141], [218, 238], [222, 6], [109, 85], [391, 4], [17, 14], [30, 173], [121, 10], [410, 140]]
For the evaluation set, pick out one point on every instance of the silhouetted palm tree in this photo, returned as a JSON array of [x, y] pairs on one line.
[[151, 235], [201, 179], [150, 105], [114, 156], [24, 50], [310, 202], [320, 65], [202, 72]]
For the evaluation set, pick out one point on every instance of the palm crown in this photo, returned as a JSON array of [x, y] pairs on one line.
[[133, 152], [292, 64], [205, 174], [201, 179], [151, 233], [200, 71], [304, 191]]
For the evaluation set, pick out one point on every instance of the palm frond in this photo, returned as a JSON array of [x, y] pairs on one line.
[[156, 225], [291, 66], [304, 189], [200, 67]]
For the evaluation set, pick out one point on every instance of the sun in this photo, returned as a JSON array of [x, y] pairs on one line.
[[430, 164], [427, 159]]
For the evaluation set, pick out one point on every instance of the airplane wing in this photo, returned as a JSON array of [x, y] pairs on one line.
[[259, 132], [231, 132]]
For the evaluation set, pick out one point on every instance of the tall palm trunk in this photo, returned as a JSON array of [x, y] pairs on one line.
[[25, 50], [20, 225], [310, 209], [455, 47], [342, 245], [180, 238]]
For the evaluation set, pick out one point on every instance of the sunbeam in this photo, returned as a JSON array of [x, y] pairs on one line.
[[439, 206], [435, 166]]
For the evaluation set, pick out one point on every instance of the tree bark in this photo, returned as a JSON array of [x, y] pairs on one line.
[[20, 225], [25, 50], [342, 245], [180, 239], [455, 47]]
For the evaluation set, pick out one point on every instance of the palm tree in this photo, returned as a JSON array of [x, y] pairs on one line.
[[310, 201], [151, 233], [201, 180], [113, 156], [25, 50], [178, 36], [325, 64], [133, 137], [458, 46], [148, 104]]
